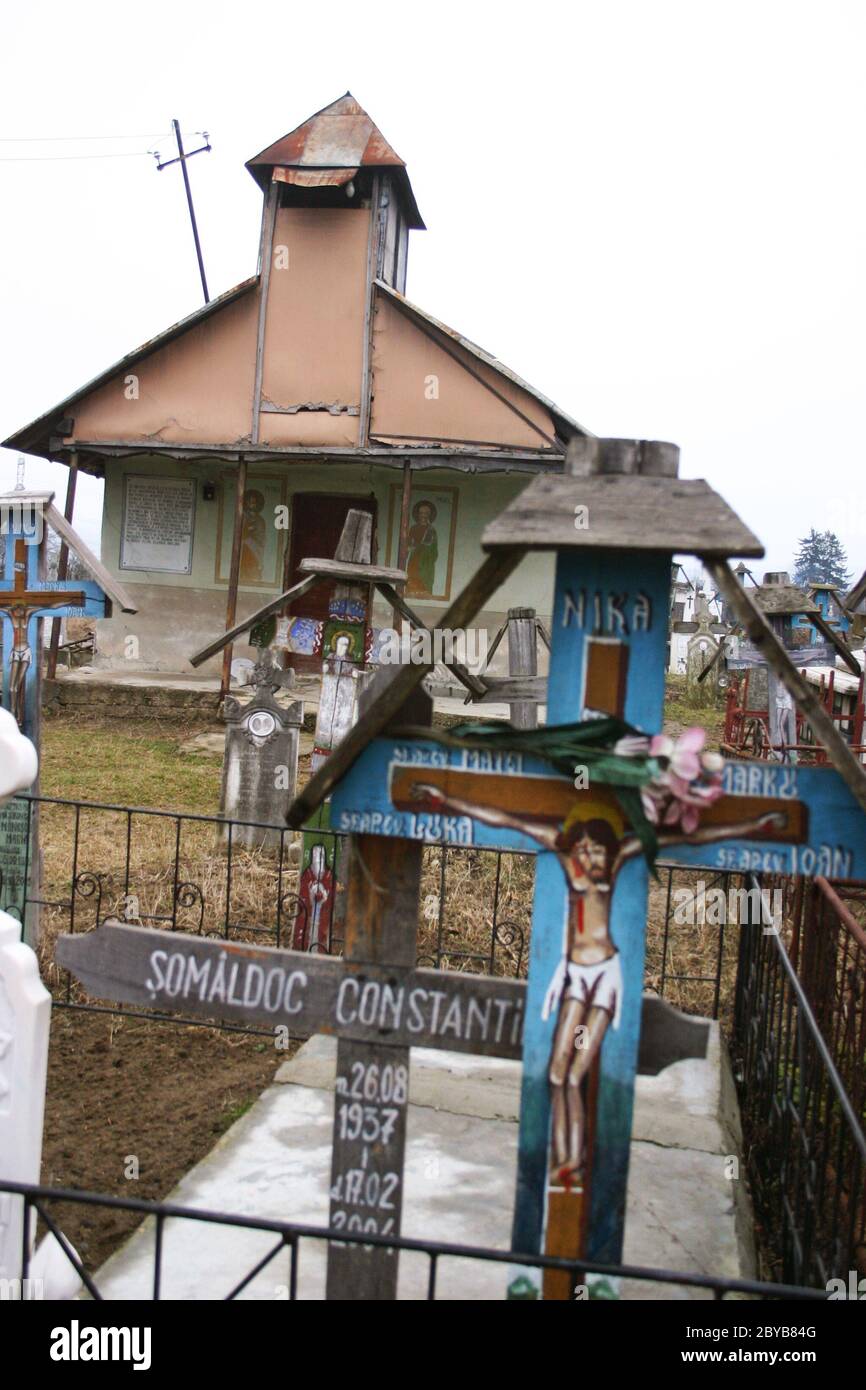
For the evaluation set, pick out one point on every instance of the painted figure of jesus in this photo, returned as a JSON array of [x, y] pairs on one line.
[[591, 845]]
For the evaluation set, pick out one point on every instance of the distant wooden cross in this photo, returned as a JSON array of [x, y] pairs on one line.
[[26, 597]]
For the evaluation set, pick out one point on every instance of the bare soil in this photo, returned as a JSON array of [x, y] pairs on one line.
[[122, 1089]]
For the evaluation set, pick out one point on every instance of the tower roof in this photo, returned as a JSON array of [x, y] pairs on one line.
[[340, 138]]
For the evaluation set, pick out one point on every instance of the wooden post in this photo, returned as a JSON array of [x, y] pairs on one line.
[[403, 545], [372, 1082], [266, 259], [372, 1078], [373, 238], [62, 564], [522, 661], [232, 604]]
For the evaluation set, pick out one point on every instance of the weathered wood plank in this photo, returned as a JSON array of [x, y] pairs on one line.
[[356, 574], [266, 260], [513, 689], [623, 513], [398, 1006], [63, 567], [371, 1101], [522, 663], [272, 606], [372, 1087], [234, 573], [57, 521]]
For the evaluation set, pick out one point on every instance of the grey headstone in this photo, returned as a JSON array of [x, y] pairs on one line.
[[260, 769]]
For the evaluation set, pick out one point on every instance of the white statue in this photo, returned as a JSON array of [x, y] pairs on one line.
[[18, 761], [25, 1015]]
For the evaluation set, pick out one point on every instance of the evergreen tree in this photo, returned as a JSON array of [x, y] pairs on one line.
[[821, 559]]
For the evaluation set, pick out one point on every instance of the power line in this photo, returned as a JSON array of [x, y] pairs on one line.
[[55, 158], [51, 139]]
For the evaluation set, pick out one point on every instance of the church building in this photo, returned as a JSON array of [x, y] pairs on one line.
[[233, 444]]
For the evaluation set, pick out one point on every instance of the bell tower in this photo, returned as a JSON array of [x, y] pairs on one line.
[[338, 159]]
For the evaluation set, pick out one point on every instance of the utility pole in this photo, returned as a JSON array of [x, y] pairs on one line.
[[181, 159]]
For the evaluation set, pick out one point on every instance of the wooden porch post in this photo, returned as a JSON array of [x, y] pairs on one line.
[[62, 564], [403, 546], [234, 572]]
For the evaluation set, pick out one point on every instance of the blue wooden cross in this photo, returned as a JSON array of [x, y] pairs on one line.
[[615, 523], [24, 599]]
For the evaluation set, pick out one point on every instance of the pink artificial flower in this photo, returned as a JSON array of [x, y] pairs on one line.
[[685, 761]]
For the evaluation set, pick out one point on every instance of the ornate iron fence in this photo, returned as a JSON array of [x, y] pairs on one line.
[[798, 1037], [178, 871]]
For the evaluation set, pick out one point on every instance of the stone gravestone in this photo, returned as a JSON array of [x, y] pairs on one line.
[[261, 758], [704, 648]]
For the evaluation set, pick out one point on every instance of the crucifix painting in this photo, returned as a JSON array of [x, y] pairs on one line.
[[592, 841]]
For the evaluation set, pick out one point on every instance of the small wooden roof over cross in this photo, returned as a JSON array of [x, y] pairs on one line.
[[43, 502]]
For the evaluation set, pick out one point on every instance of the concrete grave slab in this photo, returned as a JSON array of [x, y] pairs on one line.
[[684, 1213]]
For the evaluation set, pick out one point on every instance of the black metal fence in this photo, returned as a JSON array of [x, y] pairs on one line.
[[289, 1238], [193, 873], [805, 1147]]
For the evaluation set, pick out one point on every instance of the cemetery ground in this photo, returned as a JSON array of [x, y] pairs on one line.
[[162, 1093]]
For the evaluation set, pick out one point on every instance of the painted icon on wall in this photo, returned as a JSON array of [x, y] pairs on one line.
[[262, 545], [253, 538], [432, 528]]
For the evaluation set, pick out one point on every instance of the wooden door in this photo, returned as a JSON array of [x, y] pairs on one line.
[[316, 524]]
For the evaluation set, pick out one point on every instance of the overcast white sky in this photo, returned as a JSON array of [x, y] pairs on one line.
[[651, 209]]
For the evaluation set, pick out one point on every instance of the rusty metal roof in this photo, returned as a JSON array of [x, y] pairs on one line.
[[340, 136]]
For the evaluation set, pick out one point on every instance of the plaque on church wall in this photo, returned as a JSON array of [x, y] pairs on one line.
[[158, 523]]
